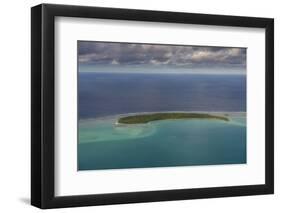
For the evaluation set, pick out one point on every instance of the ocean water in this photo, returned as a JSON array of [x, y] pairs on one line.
[[161, 143], [104, 94], [186, 142]]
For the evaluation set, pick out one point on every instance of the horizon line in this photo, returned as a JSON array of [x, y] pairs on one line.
[[189, 72]]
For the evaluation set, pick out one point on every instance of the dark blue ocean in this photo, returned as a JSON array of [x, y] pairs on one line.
[[103, 94]]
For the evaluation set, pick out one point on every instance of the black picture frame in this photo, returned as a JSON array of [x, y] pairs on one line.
[[43, 102]]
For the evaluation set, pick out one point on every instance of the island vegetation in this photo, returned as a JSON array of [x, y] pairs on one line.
[[145, 118]]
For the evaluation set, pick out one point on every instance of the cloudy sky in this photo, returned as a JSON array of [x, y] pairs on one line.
[[96, 56]]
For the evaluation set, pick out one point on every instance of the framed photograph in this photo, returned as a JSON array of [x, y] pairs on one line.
[[139, 106]]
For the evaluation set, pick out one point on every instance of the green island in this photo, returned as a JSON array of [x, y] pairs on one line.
[[145, 118]]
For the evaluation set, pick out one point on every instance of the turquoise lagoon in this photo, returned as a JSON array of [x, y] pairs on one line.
[[104, 144]]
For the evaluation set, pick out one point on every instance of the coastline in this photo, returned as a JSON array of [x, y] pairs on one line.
[[118, 116]]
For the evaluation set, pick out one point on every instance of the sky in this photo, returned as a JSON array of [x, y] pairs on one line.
[[135, 57]]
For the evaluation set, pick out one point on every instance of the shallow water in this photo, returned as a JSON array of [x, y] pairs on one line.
[[186, 142]]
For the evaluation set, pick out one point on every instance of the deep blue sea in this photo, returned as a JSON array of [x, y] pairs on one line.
[[103, 94], [103, 144]]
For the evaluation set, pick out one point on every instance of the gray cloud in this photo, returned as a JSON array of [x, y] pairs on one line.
[[104, 53]]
